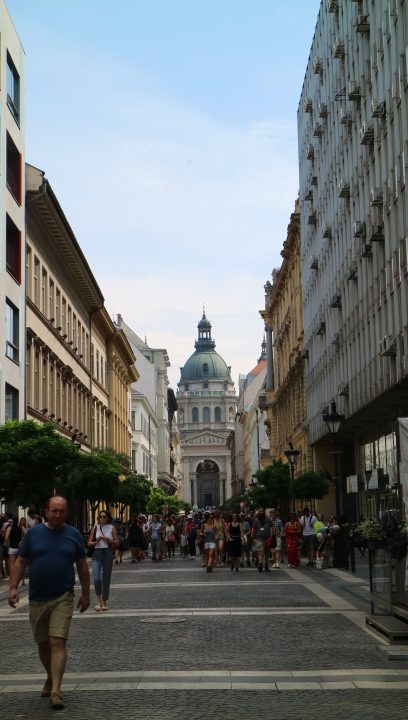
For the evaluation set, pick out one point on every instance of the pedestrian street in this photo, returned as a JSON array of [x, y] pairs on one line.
[[177, 641]]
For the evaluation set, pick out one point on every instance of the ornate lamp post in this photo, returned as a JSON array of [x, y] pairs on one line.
[[333, 422], [292, 456]]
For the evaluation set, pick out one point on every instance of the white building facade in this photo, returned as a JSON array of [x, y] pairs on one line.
[[353, 154], [207, 406], [12, 219]]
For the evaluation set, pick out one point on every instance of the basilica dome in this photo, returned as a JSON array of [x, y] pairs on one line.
[[205, 363]]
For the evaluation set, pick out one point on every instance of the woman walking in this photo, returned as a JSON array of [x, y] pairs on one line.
[[235, 537], [169, 537], [220, 537], [208, 531], [292, 532], [13, 537], [104, 539]]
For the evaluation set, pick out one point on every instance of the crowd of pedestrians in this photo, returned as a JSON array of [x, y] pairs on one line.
[[50, 548]]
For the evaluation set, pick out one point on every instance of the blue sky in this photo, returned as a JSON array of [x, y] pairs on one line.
[[167, 129]]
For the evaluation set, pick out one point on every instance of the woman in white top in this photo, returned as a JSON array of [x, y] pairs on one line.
[[104, 539]]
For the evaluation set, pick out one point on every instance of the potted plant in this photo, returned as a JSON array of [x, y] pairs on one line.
[[387, 532]]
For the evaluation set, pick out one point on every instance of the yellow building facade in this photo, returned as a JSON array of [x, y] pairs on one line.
[[79, 366], [283, 317]]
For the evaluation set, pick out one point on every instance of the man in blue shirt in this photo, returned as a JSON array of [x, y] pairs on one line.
[[51, 550]]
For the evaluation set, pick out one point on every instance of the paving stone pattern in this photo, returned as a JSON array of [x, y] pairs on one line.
[[201, 705]]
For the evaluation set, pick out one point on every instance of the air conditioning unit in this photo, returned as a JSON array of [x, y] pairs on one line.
[[335, 339], [335, 302], [321, 328], [363, 25], [322, 110], [309, 196], [310, 152], [317, 130], [343, 389], [354, 91], [343, 189], [308, 105], [332, 6], [317, 66], [338, 48], [376, 197], [312, 218], [262, 401], [326, 231], [388, 346], [376, 232], [345, 116], [366, 134], [378, 109], [359, 229], [314, 263], [366, 250]]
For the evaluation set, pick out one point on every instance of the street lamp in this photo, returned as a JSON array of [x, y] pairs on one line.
[[292, 456], [333, 422]]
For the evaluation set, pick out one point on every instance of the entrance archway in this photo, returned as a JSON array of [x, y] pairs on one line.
[[208, 484]]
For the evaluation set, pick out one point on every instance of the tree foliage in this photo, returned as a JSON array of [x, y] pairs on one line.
[[310, 485], [274, 485], [34, 462], [95, 476], [134, 492], [158, 500]]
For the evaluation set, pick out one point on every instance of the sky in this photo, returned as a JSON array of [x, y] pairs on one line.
[[167, 130]]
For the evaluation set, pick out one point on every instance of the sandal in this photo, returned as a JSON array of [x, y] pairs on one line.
[[98, 608], [56, 701]]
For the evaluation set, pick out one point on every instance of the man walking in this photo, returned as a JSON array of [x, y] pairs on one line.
[[51, 550]]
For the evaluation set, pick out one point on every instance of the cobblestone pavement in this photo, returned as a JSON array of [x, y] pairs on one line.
[[179, 642]]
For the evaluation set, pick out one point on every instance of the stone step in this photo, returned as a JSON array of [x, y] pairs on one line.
[[394, 629]]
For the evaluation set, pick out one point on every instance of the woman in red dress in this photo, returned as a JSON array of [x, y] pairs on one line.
[[292, 532]]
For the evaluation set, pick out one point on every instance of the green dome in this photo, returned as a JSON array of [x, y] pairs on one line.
[[205, 362], [202, 365]]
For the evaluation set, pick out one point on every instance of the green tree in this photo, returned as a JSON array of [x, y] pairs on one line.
[[158, 499], [310, 485], [35, 462], [273, 486], [134, 492], [95, 477]]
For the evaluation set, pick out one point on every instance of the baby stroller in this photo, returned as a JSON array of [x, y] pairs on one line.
[[323, 548]]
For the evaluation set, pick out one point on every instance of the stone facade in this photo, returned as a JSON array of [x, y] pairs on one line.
[[353, 154], [12, 235], [207, 405], [78, 365], [283, 316]]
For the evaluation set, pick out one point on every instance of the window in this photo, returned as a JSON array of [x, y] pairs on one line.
[[51, 300], [36, 276], [133, 419], [11, 403], [13, 172], [206, 414], [13, 89], [12, 331], [44, 291], [29, 266], [13, 250], [194, 414], [97, 365], [217, 414], [58, 308], [133, 459], [205, 368]]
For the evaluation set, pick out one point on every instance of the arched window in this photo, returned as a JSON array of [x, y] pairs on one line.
[[206, 414], [205, 368], [195, 414], [217, 414]]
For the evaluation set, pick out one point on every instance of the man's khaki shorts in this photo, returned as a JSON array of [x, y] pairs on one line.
[[52, 617]]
